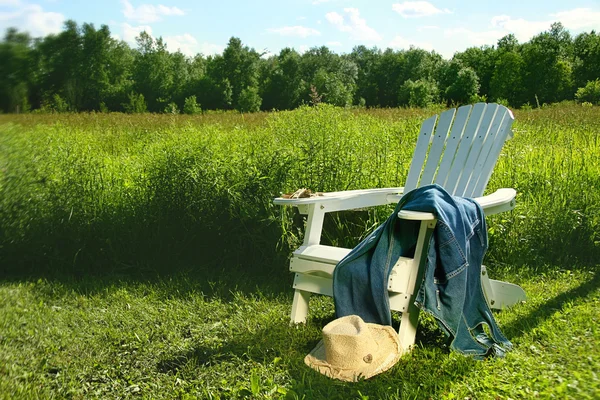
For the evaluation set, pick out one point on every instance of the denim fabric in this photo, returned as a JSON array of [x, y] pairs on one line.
[[451, 288]]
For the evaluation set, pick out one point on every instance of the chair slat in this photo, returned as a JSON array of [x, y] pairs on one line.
[[419, 155], [504, 134], [458, 127], [484, 155], [437, 146], [464, 147], [478, 140]]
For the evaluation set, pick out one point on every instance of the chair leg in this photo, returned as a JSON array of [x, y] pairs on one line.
[[300, 306], [408, 327], [500, 294]]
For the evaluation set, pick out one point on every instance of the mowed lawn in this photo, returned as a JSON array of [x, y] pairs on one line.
[[141, 257]]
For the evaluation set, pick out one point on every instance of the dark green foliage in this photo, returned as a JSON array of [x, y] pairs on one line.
[[589, 93], [465, 85], [249, 100], [90, 71], [136, 104], [421, 93], [507, 80]]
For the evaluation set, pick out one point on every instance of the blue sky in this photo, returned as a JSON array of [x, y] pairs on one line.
[[270, 25]]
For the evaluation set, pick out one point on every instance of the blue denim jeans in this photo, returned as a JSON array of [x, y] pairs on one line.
[[451, 289]]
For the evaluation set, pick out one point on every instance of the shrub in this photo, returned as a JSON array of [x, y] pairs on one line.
[[249, 100], [420, 93], [56, 104], [136, 104], [464, 87], [502, 101], [589, 93], [171, 108], [191, 106]]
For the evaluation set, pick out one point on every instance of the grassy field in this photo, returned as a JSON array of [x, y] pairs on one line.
[[141, 256]]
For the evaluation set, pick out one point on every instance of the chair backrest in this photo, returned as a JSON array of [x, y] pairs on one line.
[[460, 151]]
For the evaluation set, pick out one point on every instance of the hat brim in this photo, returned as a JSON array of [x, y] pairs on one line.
[[385, 357]]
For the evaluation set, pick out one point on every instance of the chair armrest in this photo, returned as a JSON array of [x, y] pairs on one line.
[[346, 200], [499, 201]]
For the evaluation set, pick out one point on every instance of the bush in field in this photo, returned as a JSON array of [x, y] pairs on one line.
[[249, 100], [55, 104], [463, 87], [191, 106], [136, 104], [420, 93], [171, 108], [589, 93]]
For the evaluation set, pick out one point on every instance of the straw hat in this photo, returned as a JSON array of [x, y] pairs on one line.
[[353, 349]]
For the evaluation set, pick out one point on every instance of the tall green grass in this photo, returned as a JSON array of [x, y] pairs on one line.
[[106, 193]]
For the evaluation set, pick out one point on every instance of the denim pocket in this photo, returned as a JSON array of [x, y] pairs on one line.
[[450, 258]]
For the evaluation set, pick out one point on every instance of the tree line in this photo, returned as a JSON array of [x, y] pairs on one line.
[[85, 69]]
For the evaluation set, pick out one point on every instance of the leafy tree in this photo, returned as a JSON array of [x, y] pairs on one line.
[[365, 60], [419, 93], [508, 43], [119, 67], [249, 100], [589, 93], [15, 72], [60, 61], [548, 73], [389, 75], [482, 60], [420, 64], [586, 66], [332, 89], [153, 72], [464, 87], [93, 73], [282, 81], [238, 67], [507, 80]]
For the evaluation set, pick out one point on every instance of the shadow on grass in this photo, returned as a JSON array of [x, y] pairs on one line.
[[545, 310], [428, 370]]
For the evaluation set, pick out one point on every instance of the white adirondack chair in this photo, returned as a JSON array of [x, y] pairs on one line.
[[459, 154]]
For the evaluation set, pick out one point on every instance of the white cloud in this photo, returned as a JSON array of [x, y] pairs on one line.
[[579, 18], [417, 9], [131, 32], [522, 29], [473, 38], [402, 43], [303, 49], [185, 43], [188, 45], [333, 44], [355, 25], [31, 18], [428, 28], [10, 3], [147, 13], [296, 31]]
